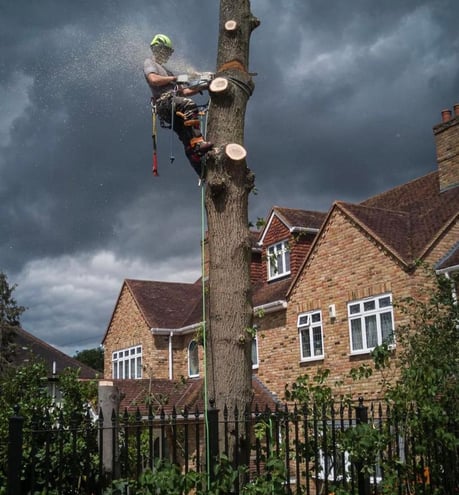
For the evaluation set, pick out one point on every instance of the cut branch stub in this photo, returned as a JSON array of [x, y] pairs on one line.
[[231, 25], [219, 85], [235, 152]]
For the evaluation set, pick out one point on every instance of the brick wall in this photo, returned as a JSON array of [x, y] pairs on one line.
[[127, 329], [447, 142], [346, 265]]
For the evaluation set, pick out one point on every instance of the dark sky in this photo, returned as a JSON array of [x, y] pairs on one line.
[[346, 96]]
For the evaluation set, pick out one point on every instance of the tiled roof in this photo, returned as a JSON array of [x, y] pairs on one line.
[[275, 291], [390, 228], [28, 346], [407, 219], [300, 218], [165, 394], [165, 304]]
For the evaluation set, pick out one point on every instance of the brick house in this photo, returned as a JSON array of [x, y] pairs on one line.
[[324, 285]]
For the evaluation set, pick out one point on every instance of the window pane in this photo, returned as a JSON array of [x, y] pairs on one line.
[[254, 353], [384, 302], [132, 373], [287, 258], [371, 331], [139, 368], [354, 308], [305, 344], [369, 305], [315, 317], [126, 369], [280, 263], [356, 332], [303, 320], [387, 328], [317, 340], [272, 262], [193, 359]]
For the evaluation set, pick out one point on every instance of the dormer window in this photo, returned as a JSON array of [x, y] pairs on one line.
[[278, 260]]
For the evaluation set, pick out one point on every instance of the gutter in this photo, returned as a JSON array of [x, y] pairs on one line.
[[175, 331], [271, 307], [308, 230], [446, 271]]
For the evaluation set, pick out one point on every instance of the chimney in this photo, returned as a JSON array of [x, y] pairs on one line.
[[447, 142]]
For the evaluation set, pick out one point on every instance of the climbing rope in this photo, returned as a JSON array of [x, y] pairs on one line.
[[203, 109], [153, 135]]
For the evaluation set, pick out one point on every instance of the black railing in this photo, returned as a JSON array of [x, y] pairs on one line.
[[347, 447]]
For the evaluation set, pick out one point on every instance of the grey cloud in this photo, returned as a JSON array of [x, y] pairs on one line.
[[346, 96]]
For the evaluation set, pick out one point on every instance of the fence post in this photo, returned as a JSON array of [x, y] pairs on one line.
[[212, 440], [109, 400], [363, 482], [14, 453]]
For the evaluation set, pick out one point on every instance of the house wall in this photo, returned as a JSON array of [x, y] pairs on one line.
[[274, 341], [346, 265], [180, 356], [128, 328], [256, 268], [447, 144]]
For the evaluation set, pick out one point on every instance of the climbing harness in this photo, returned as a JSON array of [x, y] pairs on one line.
[[200, 118]]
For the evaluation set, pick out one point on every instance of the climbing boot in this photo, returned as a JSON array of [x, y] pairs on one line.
[[199, 146]]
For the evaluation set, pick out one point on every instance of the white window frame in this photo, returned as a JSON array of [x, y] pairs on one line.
[[309, 323], [370, 311], [344, 469], [127, 363], [254, 355], [278, 257], [193, 373]]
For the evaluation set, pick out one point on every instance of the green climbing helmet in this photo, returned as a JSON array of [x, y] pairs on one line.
[[161, 40]]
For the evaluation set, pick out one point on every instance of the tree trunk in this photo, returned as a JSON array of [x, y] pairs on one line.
[[229, 182]]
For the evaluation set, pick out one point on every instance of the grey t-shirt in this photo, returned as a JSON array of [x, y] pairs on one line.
[[150, 66]]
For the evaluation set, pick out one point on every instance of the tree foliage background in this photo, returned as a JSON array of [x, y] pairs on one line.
[[10, 313]]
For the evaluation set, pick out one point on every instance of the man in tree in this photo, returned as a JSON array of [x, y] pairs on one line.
[[172, 102]]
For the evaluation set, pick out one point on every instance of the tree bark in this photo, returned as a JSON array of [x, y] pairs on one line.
[[228, 184]]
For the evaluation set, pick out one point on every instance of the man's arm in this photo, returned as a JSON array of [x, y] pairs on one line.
[[157, 80], [189, 91]]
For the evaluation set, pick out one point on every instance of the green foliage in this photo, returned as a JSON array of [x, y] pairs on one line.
[[167, 479], [308, 390], [69, 454], [423, 401], [94, 358], [10, 314], [426, 397]]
